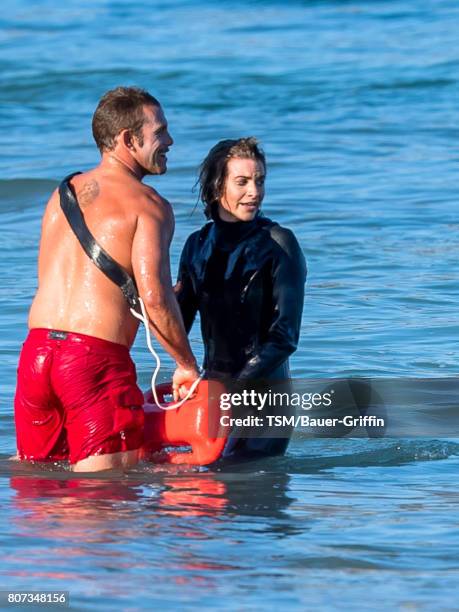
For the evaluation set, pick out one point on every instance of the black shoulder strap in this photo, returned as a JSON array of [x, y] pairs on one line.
[[93, 250]]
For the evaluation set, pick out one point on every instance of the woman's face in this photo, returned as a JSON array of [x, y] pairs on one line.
[[243, 190]]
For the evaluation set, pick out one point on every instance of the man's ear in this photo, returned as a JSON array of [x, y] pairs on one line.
[[126, 138]]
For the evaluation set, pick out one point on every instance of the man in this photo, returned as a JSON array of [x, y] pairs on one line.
[[77, 396]]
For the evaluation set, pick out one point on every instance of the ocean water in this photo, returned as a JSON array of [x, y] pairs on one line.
[[355, 103]]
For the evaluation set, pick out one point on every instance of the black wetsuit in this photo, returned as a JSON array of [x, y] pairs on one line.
[[246, 279]]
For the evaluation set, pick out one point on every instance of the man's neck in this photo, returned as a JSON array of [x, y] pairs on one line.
[[117, 163]]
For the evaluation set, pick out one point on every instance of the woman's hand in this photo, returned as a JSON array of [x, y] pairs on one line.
[[177, 287]]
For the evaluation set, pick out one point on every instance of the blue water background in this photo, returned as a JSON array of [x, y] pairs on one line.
[[356, 106]]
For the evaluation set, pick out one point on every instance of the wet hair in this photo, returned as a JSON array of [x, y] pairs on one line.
[[120, 109], [213, 170]]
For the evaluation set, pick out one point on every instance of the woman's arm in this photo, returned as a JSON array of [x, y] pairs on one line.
[[288, 278], [184, 289]]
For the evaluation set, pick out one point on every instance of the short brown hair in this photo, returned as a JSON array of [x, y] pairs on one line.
[[120, 109], [213, 170]]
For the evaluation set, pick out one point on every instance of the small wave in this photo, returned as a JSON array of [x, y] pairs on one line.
[[412, 84], [306, 458], [363, 453], [21, 194], [33, 90], [10, 188]]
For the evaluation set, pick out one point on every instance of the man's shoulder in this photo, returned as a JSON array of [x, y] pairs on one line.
[[128, 192], [147, 201]]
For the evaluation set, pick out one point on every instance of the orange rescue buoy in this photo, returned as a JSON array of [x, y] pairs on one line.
[[197, 423]]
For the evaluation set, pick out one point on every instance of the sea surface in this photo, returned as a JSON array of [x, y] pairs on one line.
[[356, 105]]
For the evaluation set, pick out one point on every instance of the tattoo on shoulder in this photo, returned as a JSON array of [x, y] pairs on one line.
[[88, 193]]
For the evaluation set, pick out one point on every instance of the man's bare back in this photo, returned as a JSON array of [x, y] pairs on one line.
[[135, 225], [73, 294]]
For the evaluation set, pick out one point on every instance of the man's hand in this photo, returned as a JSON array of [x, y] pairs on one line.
[[182, 380]]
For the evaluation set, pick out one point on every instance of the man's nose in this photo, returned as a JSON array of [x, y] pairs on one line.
[[170, 140]]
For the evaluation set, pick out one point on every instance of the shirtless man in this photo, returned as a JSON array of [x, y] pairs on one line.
[[77, 396]]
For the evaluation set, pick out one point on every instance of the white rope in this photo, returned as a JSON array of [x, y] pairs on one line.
[[144, 318]]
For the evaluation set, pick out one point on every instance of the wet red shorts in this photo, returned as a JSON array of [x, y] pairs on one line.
[[76, 396]]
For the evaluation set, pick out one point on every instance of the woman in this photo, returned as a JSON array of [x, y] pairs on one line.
[[245, 275]]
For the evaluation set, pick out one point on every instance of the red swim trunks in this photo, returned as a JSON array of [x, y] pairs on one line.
[[76, 396]]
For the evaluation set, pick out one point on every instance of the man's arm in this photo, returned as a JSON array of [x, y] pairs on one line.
[[151, 267]]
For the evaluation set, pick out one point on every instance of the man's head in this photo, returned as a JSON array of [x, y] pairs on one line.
[[131, 118]]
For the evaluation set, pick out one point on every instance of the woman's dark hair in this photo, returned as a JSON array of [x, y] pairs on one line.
[[120, 109], [213, 170]]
